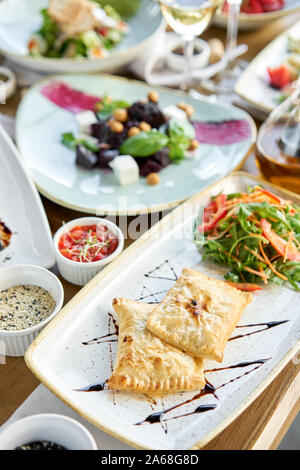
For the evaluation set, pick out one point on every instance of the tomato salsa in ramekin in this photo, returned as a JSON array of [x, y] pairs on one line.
[[84, 246], [88, 243]]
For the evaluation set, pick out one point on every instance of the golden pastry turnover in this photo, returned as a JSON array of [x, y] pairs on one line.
[[145, 363], [199, 314]]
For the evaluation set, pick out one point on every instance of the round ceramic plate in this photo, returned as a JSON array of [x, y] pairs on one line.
[[257, 20], [40, 124], [19, 19]]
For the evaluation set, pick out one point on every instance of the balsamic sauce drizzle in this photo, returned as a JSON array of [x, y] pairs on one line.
[[151, 294], [115, 333], [267, 326], [94, 388], [209, 389], [150, 274]]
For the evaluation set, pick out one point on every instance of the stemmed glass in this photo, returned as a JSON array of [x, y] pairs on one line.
[[278, 143], [224, 81], [188, 18]]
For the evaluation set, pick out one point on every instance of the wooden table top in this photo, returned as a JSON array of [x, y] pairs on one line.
[[265, 422]]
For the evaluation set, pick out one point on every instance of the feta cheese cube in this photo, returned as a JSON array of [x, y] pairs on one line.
[[174, 112], [85, 119], [125, 169]]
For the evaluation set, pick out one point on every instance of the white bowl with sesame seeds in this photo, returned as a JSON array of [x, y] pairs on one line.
[[30, 296], [80, 273]]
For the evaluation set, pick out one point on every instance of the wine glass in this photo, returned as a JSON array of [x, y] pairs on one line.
[[188, 18], [225, 80]]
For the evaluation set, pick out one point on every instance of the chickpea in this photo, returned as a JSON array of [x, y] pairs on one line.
[[115, 126], [120, 115], [182, 105], [189, 110], [194, 145], [153, 179], [153, 96], [133, 131], [145, 127], [99, 106]]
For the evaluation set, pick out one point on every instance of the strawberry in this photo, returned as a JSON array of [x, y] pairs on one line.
[[272, 5], [251, 6], [279, 76]]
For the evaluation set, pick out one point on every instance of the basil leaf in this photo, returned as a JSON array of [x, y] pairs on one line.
[[107, 107], [181, 127], [89, 144], [69, 140], [144, 144], [178, 145]]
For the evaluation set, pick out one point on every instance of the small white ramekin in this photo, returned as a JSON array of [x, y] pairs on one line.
[[177, 62], [15, 343], [7, 88], [61, 430], [81, 273]]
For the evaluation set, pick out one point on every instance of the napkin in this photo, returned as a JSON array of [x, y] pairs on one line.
[[151, 66]]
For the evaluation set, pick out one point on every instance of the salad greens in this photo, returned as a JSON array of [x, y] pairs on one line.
[[52, 41], [256, 234]]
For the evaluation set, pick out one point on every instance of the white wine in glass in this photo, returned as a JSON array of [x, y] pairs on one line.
[[189, 18]]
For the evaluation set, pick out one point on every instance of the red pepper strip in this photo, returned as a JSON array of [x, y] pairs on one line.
[[246, 287], [221, 201], [207, 227], [209, 210], [214, 212], [286, 250], [270, 195]]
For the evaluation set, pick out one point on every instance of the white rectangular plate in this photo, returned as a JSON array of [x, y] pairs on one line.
[[22, 211], [145, 271], [253, 85]]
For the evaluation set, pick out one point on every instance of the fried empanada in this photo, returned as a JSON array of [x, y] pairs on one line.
[[199, 314], [145, 363]]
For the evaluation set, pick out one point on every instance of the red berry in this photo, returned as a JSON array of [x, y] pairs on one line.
[[251, 6], [279, 76]]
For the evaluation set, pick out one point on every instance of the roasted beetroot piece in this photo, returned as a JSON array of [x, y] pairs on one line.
[[148, 112], [130, 124], [116, 139], [148, 165], [162, 157], [85, 157], [101, 131], [107, 156]]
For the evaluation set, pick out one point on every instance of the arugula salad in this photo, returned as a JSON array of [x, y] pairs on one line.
[[77, 29], [150, 137], [256, 234]]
